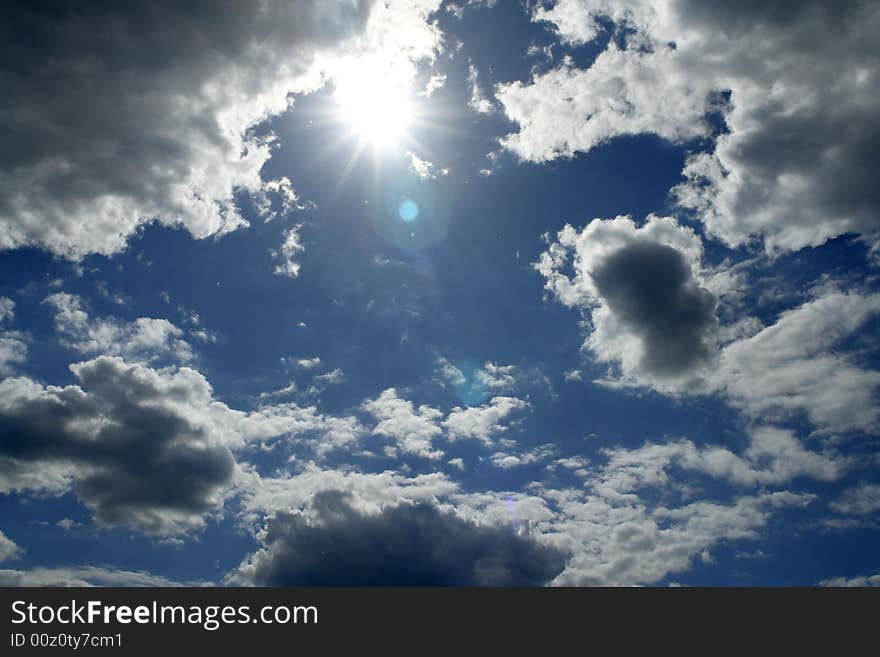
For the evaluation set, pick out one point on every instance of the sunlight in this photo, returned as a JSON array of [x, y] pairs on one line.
[[374, 105]]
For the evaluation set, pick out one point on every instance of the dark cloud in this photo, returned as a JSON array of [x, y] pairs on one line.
[[406, 545], [651, 290], [124, 112], [133, 444]]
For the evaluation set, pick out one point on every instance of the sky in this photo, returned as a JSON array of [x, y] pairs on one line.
[[507, 293]]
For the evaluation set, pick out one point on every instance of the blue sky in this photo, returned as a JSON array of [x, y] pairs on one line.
[[514, 293]]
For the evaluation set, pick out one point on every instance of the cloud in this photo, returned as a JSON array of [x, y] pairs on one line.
[[624, 544], [774, 456], [8, 548], [404, 545], [859, 581], [7, 309], [144, 340], [424, 169], [786, 168], [285, 254], [412, 429], [70, 576], [13, 344], [640, 288], [478, 102], [794, 366], [79, 174], [862, 500], [143, 448], [481, 422], [136, 455]]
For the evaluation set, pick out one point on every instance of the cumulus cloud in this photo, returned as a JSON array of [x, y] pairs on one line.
[[481, 422], [404, 545], [411, 428], [144, 448], [135, 456], [774, 456], [145, 339], [640, 288], [13, 344], [80, 173], [8, 548], [794, 366], [786, 169]]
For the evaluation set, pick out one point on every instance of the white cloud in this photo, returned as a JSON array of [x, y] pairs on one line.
[[8, 548], [76, 576], [285, 254], [7, 309], [412, 429], [793, 366], [478, 101], [862, 500], [481, 422], [145, 339], [424, 169], [787, 169], [79, 175], [774, 456], [859, 581]]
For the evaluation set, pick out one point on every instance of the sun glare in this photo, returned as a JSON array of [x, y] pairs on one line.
[[376, 108]]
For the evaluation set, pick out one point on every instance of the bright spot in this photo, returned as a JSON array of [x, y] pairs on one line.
[[408, 210], [373, 101]]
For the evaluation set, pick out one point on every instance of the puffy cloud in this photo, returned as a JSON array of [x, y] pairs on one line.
[[569, 110], [404, 545], [481, 422], [149, 449], [8, 548], [80, 173], [640, 287], [13, 344], [412, 429], [787, 169], [145, 339], [774, 456], [793, 367], [624, 544], [13, 350], [369, 491], [136, 456]]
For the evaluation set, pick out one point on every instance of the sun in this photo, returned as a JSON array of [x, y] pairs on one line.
[[374, 105]]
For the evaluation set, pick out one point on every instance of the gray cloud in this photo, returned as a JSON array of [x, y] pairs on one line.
[[128, 112], [405, 545], [795, 165], [135, 453], [652, 291]]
